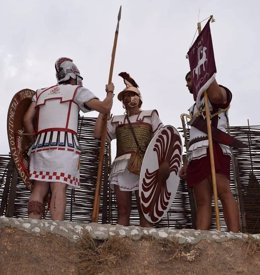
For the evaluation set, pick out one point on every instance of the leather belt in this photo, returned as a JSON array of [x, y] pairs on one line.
[[217, 135], [195, 140]]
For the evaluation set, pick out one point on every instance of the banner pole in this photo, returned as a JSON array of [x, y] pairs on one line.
[[211, 152]]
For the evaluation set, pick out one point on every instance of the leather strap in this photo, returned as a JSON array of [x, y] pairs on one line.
[[197, 139], [133, 133], [217, 135]]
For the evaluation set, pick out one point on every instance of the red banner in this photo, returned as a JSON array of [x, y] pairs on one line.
[[202, 61]]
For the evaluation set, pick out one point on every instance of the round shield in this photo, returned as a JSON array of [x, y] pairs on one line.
[[159, 177], [18, 140]]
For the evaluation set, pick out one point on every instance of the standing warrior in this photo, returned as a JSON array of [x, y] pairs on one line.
[[133, 132], [55, 153], [198, 171]]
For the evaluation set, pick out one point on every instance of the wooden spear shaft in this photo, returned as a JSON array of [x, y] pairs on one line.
[[211, 154], [95, 211]]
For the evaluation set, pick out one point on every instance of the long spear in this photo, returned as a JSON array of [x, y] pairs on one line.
[[211, 152], [104, 129]]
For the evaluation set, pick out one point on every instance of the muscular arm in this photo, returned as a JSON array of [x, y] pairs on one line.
[[98, 126], [217, 94], [104, 106]]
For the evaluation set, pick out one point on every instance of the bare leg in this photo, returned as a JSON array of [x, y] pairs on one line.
[[143, 221], [58, 201], [203, 197], [123, 199], [35, 205], [230, 207]]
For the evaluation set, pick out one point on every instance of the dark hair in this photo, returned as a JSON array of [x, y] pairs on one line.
[[187, 74]]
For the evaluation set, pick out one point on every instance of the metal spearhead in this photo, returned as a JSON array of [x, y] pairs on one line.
[[118, 19]]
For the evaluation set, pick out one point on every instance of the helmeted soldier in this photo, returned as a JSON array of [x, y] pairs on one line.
[[133, 132], [54, 156]]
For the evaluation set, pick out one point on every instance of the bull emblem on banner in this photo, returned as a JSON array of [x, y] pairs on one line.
[[202, 59]]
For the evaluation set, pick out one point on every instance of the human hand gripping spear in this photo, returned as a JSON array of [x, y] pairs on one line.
[[104, 129]]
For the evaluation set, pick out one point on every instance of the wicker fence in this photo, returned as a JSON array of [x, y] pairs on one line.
[[245, 186]]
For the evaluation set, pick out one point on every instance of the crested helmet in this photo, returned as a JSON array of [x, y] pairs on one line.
[[131, 86], [66, 69]]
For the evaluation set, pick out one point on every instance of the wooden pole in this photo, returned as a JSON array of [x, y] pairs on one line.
[[211, 153], [95, 211], [193, 206]]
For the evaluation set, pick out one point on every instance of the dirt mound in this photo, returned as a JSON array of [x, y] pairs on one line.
[[24, 253]]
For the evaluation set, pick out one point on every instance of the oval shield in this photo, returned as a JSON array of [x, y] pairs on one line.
[[18, 140], [159, 177]]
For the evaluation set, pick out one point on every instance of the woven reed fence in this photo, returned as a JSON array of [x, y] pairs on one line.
[[244, 184]]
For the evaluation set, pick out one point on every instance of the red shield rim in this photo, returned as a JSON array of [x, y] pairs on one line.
[[18, 142]]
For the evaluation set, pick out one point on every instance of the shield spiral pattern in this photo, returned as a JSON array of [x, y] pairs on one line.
[[159, 178]]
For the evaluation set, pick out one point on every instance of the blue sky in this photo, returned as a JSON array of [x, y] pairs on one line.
[[153, 41]]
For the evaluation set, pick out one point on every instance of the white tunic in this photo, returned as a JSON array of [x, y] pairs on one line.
[[199, 149], [56, 152], [119, 174]]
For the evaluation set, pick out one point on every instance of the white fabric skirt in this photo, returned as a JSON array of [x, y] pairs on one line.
[[120, 175], [56, 162]]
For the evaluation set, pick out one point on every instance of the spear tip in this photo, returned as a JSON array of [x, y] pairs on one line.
[[119, 14]]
